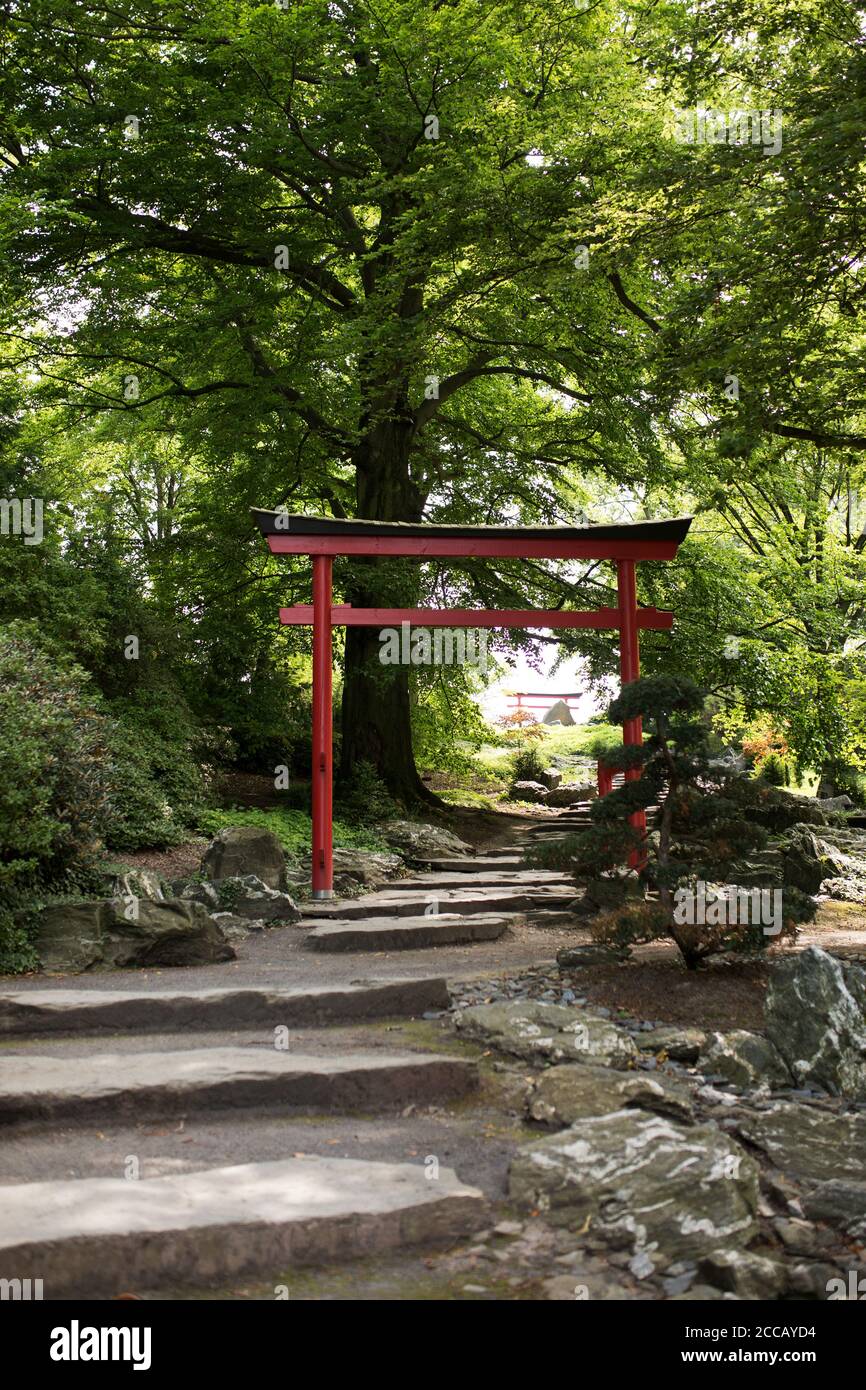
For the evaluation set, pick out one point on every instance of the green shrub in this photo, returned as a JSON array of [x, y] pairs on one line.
[[157, 788], [54, 792], [528, 766], [773, 770], [365, 799], [17, 920]]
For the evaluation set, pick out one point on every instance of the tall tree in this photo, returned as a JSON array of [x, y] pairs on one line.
[[347, 232]]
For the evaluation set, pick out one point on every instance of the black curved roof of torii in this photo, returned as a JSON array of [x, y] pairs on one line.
[[673, 530]]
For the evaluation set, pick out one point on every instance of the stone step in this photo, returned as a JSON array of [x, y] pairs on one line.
[[560, 828], [554, 917], [473, 866], [576, 815], [545, 827], [521, 878], [90, 1010], [160, 1083], [100, 1237], [409, 933], [396, 903]]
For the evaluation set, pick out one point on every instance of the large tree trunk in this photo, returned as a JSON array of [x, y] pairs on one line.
[[376, 711]]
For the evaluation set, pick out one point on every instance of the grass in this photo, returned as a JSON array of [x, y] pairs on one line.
[[456, 796], [292, 828], [494, 761]]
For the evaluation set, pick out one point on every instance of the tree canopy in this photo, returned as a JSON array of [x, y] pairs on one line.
[[447, 261]]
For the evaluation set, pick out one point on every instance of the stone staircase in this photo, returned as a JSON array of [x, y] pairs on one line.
[[63, 1083], [574, 819], [233, 1072]]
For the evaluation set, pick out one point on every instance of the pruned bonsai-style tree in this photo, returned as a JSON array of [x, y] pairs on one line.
[[701, 830]]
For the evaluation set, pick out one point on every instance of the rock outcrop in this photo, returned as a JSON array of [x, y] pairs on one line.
[[816, 1017], [124, 933], [640, 1180], [416, 839], [547, 1033], [564, 1095], [744, 1059]]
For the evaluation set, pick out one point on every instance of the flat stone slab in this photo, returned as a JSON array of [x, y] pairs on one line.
[[555, 899], [147, 1083], [408, 933], [473, 866], [399, 903], [504, 880], [104, 1236], [81, 1010]]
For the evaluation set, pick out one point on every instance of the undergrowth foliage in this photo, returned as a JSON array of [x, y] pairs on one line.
[[75, 779], [528, 765]]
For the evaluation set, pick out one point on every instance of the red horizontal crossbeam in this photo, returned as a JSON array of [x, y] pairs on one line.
[[540, 695], [539, 704], [428, 547], [344, 615]]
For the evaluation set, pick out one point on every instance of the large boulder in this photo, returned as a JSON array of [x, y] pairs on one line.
[[816, 1016], [173, 932], [528, 791], [542, 1032], [367, 866], [642, 1181], [807, 1142], [559, 713], [122, 932], [246, 849], [846, 848], [760, 869], [571, 794], [69, 937], [743, 1059], [777, 809], [417, 840]]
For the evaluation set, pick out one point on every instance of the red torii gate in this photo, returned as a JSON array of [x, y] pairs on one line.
[[324, 537], [536, 699]]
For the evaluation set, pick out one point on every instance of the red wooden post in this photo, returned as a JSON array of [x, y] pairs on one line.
[[605, 779], [323, 857], [629, 667]]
